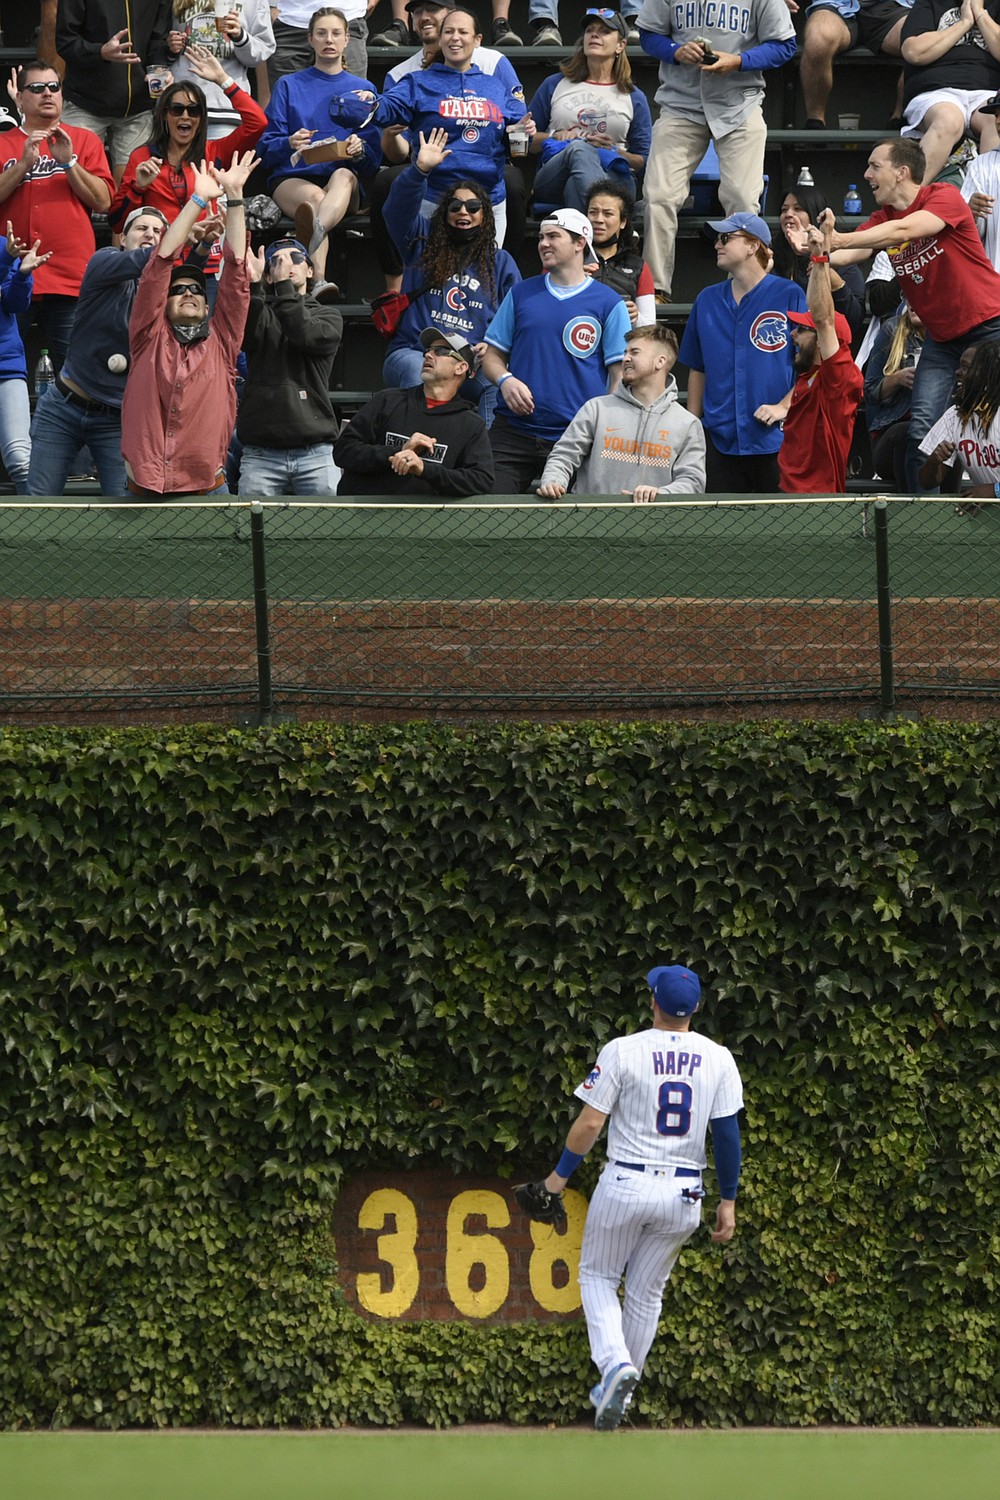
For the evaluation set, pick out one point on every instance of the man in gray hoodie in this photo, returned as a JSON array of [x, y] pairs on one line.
[[638, 441]]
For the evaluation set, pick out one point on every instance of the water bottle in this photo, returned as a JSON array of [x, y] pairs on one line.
[[852, 202], [805, 178], [44, 373]]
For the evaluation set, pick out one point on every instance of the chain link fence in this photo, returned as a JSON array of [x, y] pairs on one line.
[[137, 610]]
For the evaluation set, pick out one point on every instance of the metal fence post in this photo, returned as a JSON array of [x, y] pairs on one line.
[[265, 697], [887, 689]]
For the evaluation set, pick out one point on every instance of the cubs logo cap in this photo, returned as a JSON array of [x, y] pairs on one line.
[[742, 223], [573, 221], [840, 323], [676, 990], [454, 341]]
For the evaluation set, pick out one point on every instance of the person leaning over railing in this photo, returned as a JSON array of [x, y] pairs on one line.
[[423, 441], [591, 118], [889, 376], [637, 441], [455, 277], [180, 399]]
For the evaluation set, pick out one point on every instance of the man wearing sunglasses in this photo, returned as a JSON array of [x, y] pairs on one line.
[[286, 423], [180, 400], [52, 178], [423, 441]]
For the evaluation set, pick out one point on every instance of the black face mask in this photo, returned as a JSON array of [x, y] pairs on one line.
[[190, 333], [462, 236]]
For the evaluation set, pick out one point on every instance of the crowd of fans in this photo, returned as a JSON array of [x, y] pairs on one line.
[[188, 362]]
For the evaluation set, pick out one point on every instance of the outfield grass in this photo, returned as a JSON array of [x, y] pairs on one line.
[[502, 1465]]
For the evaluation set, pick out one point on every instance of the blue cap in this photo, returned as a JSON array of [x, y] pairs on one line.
[[676, 990], [747, 223]]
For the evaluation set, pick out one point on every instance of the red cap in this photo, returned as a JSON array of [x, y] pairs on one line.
[[840, 323]]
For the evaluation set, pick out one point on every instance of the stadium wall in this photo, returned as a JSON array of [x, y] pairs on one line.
[[251, 979]]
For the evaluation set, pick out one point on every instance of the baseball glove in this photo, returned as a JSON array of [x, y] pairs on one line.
[[541, 1205]]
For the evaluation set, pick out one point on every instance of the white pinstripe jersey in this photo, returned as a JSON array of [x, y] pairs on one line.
[[661, 1089]]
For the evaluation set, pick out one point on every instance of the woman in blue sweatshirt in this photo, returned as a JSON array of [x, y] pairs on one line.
[[474, 108], [455, 276], [327, 103]]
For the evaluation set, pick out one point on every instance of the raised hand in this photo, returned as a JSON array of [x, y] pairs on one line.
[[206, 64], [61, 145], [256, 262], [147, 172], [118, 49], [235, 175], [433, 150], [31, 258]]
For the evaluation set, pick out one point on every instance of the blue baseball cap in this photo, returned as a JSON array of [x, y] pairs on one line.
[[745, 223], [676, 990]]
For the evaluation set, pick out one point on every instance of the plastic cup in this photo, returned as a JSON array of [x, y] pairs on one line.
[[849, 122], [156, 81], [223, 8], [518, 142]]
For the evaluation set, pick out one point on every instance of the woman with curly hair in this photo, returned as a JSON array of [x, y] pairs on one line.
[[592, 120], [968, 435], [453, 273]]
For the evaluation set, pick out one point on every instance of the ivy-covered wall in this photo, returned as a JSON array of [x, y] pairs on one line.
[[238, 968]]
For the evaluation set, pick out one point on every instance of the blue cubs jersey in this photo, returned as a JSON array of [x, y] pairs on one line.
[[560, 346], [745, 351]]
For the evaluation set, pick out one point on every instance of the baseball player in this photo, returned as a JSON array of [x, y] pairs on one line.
[[712, 63], [660, 1088]]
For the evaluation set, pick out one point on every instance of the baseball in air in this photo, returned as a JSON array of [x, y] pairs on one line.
[[117, 363]]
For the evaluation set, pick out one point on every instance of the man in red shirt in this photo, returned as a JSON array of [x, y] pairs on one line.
[[179, 408], [52, 178], [819, 426], [943, 272]]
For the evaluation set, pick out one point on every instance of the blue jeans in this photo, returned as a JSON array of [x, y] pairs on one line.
[[289, 471], [566, 178], [932, 391], [402, 369], [59, 430], [15, 422]]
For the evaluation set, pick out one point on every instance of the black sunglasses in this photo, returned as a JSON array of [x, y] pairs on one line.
[[295, 256], [184, 109], [727, 235], [180, 288], [471, 206], [42, 88]]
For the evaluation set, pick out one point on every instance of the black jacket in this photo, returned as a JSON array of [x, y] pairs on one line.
[[114, 91], [290, 344], [461, 465]]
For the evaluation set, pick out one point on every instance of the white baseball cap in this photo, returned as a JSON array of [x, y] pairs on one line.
[[573, 221]]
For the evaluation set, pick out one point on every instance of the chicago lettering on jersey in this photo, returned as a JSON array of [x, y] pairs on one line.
[[675, 1063], [700, 15], [482, 111]]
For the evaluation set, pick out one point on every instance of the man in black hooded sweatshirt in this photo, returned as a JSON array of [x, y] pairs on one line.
[[423, 440]]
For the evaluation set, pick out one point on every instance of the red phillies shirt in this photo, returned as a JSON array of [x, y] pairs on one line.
[[812, 459], [947, 278], [46, 208]]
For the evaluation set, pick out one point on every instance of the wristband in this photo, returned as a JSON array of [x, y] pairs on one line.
[[820, 260], [568, 1163], [507, 375], [72, 162], [229, 84], [201, 202], [234, 202]]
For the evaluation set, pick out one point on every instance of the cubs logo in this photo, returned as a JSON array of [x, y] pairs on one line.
[[454, 299], [592, 1078], [581, 336], [769, 332], [470, 134]]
